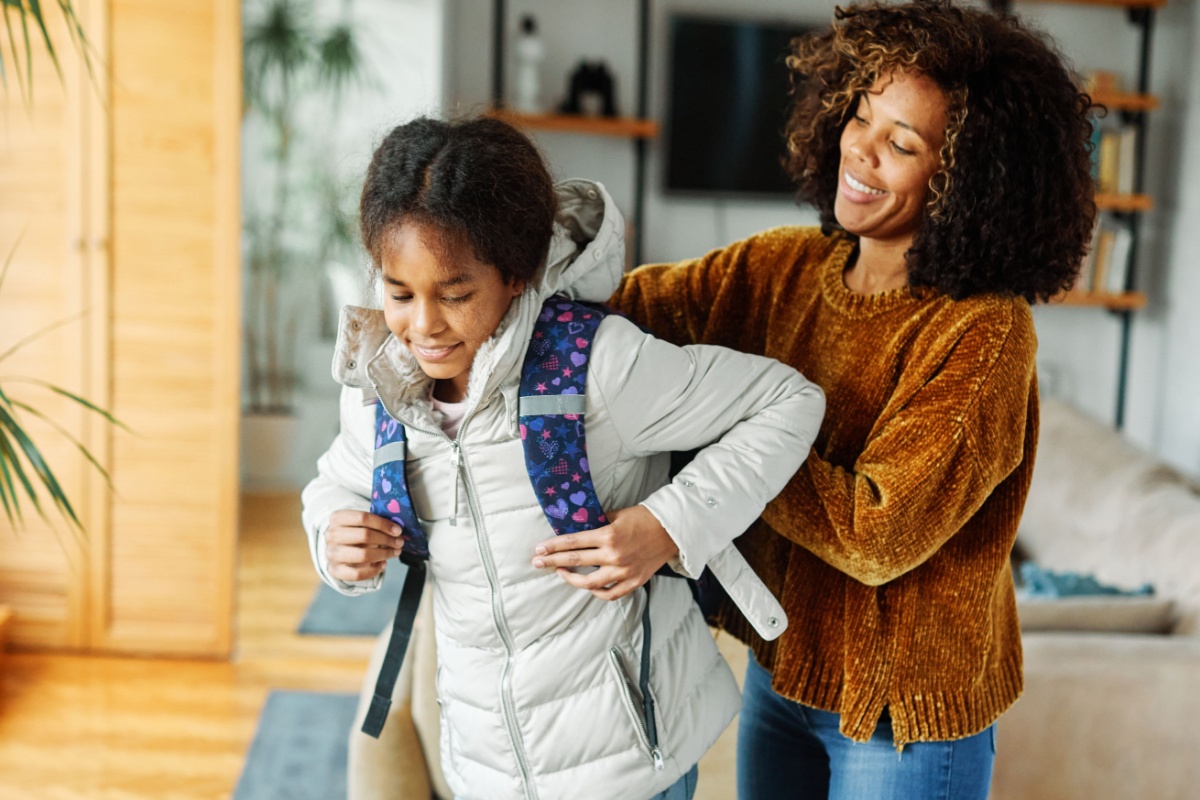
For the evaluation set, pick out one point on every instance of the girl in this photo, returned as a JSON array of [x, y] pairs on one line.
[[537, 680]]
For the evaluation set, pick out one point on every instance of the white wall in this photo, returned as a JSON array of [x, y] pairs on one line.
[[404, 48], [1078, 347]]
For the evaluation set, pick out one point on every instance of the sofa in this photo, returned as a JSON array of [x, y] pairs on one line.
[[1111, 707]]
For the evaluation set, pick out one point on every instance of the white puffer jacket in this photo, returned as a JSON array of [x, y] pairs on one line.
[[538, 680]]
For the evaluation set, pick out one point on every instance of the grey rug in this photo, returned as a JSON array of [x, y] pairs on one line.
[[299, 749], [334, 614]]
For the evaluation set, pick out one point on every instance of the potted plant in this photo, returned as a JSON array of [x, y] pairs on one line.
[[293, 65]]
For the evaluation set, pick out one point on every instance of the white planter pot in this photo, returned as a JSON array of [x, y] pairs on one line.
[[270, 447]]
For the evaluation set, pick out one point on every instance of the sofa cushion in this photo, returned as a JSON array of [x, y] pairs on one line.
[[1096, 613]]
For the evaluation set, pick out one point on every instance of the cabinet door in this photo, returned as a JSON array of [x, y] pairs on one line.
[[127, 195], [57, 251]]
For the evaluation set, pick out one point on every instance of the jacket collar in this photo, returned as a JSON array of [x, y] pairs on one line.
[[585, 261]]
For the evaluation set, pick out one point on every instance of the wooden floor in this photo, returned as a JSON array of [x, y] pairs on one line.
[[132, 729], [88, 728]]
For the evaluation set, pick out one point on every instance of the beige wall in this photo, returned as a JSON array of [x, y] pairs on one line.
[[130, 210]]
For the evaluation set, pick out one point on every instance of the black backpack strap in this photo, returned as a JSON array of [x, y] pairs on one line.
[[389, 670]]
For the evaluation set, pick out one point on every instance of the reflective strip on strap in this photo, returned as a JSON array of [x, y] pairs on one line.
[[389, 453], [540, 405]]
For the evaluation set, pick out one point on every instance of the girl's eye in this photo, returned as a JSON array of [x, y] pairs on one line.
[[901, 150], [402, 298], [859, 119], [462, 298]]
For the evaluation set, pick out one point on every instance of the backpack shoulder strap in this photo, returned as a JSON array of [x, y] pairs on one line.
[[551, 408], [389, 484], [390, 499]]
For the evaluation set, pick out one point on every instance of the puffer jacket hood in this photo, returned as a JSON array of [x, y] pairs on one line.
[[585, 261]]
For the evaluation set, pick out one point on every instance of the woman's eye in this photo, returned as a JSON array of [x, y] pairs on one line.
[[462, 298], [402, 298], [901, 150]]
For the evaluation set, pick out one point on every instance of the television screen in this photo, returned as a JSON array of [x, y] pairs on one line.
[[727, 102]]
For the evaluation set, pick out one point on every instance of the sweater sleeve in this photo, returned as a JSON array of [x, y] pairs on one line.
[[932, 459], [754, 417]]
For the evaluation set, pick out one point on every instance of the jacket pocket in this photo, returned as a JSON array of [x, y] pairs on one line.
[[629, 699]]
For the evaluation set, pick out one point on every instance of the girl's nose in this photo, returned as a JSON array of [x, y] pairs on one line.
[[426, 317]]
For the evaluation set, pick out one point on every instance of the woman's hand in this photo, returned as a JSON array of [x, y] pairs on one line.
[[358, 544], [627, 552]]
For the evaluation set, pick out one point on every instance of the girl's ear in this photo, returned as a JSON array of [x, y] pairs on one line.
[[518, 287]]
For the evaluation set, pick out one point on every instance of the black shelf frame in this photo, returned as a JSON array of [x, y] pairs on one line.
[[1142, 18]]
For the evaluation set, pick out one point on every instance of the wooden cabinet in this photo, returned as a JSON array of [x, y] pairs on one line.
[[119, 198]]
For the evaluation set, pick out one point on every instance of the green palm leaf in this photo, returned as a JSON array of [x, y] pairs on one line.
[[41, 469], [24, 10]]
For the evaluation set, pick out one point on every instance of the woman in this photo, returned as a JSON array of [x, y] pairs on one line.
[[946, 150]]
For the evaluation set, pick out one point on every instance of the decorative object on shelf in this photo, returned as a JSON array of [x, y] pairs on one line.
[[592, 91], [529, 51]]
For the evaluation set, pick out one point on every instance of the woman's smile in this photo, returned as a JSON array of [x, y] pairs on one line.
[[857, 191]]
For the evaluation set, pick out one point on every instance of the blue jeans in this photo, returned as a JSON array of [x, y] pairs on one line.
[[682, 789], [788, 751]]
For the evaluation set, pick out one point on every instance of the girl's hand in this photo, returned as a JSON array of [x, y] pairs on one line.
[[627, 552], [358, 544]]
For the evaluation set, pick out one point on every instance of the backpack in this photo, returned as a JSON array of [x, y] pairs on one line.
[[551, 410]]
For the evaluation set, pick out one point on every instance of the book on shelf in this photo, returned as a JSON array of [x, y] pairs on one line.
[[1118, 260], [1105, 268], [1114, 158]]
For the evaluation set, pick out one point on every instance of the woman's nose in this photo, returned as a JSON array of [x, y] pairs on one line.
[[864, 148]]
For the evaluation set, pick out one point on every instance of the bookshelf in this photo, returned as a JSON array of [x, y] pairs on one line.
[[637, 129], [624, 127], [1126, 207]]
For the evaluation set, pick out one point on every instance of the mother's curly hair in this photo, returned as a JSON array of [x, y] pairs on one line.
[[1012, 206]]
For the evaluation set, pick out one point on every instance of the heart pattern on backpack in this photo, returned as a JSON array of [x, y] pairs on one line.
[[556, 363]]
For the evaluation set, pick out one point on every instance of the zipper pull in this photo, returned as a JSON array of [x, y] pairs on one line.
[[657, 755], [455, 460]]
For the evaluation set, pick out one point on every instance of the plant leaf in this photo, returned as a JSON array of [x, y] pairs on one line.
[[8, 258], [40, 467], [68, 436], [83, 401], [9, 457], [40, 333], [35, 10], [6, 490]]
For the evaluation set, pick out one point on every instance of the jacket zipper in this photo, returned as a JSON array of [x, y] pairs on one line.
[[614, 657], [489, 567]]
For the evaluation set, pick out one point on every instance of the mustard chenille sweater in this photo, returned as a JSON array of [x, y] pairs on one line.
[[890, 548]]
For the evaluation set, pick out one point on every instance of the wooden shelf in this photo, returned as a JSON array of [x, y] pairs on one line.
[[1110, 3], [1107, 201], [624, 127], [1125, 101], [1125, 301]]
